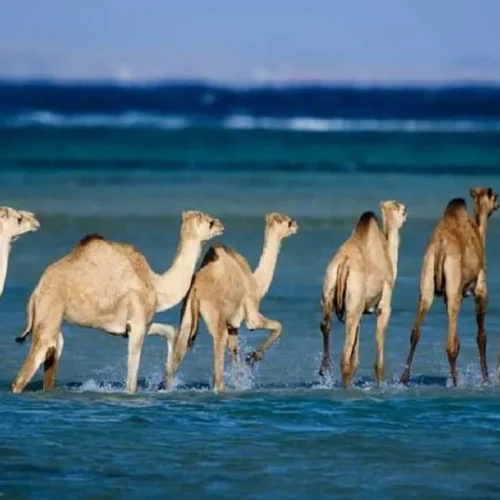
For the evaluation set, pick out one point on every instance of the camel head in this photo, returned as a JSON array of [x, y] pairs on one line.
[[14, 223], [282, 225], [394, 213], [200, 225], [485, 200]]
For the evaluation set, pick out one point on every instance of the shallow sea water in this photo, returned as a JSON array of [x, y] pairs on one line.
[[279, 431]]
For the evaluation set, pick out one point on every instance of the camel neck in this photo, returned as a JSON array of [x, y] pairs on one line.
[[5, 245], [482, 225], [264, 272], [172, 286], [393, 246]]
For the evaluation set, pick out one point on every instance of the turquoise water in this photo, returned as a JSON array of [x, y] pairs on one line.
[[279, 431]]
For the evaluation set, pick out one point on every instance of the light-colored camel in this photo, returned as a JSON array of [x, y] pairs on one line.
[[109, 286], [360, 280], [13, 223], [225, 293], [454, 266]]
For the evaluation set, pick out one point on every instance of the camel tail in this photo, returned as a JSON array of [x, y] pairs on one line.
[[340, 290], [190, 314], [30, 313], [439, 278]]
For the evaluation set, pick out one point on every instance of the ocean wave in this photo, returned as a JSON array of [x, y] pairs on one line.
[[45, 118]]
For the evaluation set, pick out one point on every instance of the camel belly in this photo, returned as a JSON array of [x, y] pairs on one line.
[[372, 304]]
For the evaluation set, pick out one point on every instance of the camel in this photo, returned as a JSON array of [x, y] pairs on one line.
[[109, 286], [225, 293], [13, 223], [454, 266], [359, 280]]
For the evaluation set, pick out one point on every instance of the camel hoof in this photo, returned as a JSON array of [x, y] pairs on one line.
[[253, 357]]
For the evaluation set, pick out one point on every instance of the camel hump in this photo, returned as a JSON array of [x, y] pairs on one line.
[[455, 205], [210, 256], [213, 253], [365, 221], [89, 238]]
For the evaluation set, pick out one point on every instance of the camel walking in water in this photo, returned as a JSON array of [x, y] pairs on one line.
[[13, 223], [360, 280], [109, 286], [225, 293], [454, 266]]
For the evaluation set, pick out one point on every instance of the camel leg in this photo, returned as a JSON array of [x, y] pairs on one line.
[[217, 328], [426, 297], [355, 354], [232, 342], [329, 284], [326, 362], [384, 313], [35, 358], [257, 321], [351, 328], [51, 363], [453, 303], [169, 333], [220, 342], [481, 299]]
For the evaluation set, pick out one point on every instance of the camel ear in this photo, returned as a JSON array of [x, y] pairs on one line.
[[186, 215], [473, 192]]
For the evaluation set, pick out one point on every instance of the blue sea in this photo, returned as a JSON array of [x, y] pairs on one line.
[[124, 161]]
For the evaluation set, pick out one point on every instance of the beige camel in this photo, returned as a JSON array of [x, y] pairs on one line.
[[225, 293], [360, 280], [109, 286], [454, 266], [13, 223]]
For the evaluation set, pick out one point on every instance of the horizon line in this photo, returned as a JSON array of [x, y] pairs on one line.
[[252, 83]]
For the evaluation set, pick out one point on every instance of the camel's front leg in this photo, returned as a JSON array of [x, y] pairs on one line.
[[383, 316], [256, 321], [481, 299], [168, 332]]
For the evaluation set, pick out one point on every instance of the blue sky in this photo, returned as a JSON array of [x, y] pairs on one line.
[[237, 40]]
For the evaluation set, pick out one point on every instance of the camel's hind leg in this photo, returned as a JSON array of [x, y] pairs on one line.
[[257, 321], [353, 319], [218, 330], [355, 354], [51, 363], [481, 299], [35, 358], [384, 314], [425, 299], [326, 362], [453, 302], [232, 342], [43, 346]]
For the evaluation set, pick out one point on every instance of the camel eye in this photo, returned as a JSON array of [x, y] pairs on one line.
[[211, 223], [19, 219]]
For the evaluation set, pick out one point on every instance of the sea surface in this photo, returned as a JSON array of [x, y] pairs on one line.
[[125, 162]]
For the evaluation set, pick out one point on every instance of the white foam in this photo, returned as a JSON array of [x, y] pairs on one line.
[[132, 119]]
